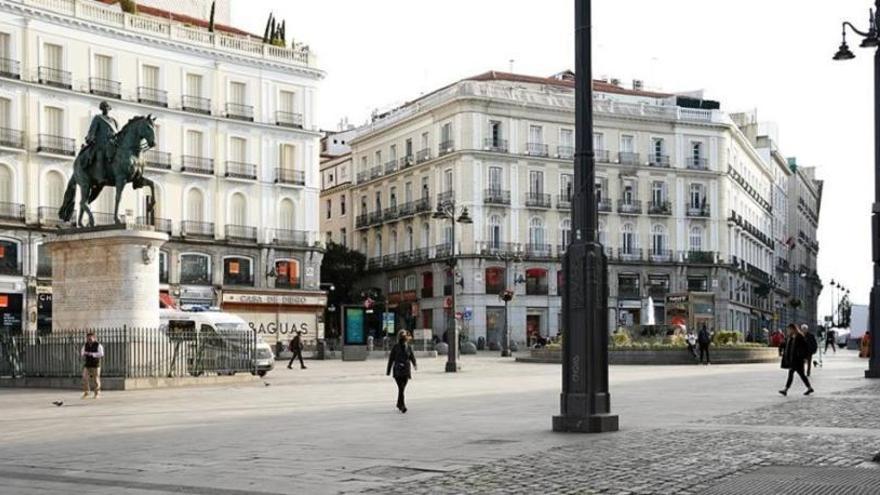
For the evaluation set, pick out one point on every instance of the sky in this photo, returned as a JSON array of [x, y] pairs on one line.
[[773, 56]]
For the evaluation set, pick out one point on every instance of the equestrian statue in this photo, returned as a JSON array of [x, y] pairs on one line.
[[110, 159]]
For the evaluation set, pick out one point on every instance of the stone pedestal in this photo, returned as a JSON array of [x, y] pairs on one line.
[[105, 278]]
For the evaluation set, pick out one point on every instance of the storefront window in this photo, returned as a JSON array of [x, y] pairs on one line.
[[44, 313], [195, 269], [628, 287], [237, 271], [447, 283], [495, 280], [287, 274], [427, 285], [10, 314], [536, 282], [697, 284], [9, 258], [495, 324]]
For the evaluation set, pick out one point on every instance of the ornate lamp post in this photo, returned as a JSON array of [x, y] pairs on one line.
[[871, 39], [507, 257], [447, 210], [585, 404]]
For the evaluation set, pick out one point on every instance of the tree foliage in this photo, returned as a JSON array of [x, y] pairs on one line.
[[343, 268]]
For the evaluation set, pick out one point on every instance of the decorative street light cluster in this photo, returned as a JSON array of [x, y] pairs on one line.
[[841, 315], [507, 295], [871, 39], [447, 210]]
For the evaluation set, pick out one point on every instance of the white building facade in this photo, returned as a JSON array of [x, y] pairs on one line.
[[236, 161], [684, 202]]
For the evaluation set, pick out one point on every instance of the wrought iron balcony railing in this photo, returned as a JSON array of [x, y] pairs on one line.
[[58, 145], [241, 233], [699, 211], [162, 224], [11, 138], [285, 237], [407, 161], [496, 196], [10, 68], [496, 145], [51, 76], [287, 176], [289, 119], [660, 256], [498, 248], [632, 207], [390, 167], [197, 165], [152, 96], [660, 161], [629, 255], [604, 205], [241, 170], [565, 152], [445, 198], [537, 149], [538, 200], [660, 208], [195, 104], [157, 159], [602, 156], [538, 250], [189, 228], [563, 201], [628, 158], [239, 111], [376, 172], [362, 221], [105, 87], [14, 212], [446, 147], [423, 155], [695, 163]]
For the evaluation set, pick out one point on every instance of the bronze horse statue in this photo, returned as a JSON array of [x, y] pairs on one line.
[[137, 136]]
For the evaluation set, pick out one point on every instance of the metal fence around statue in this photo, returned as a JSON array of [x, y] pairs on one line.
[[132, 353]]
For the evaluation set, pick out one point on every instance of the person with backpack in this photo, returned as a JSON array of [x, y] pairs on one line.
[[704, 338], [399, 360], [793, 357], [296, 347], [812, 346]]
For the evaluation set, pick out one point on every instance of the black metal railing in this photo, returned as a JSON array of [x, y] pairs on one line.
[[699, 211], [604, 205], [157, 159], [376, 172], [538, 200], [565, 152], [443, 250], [190, 228], [195, 104], [105, 87], [422, 205], [445, 198], [496, 145], [407, 209], [660, 208], [660, 256], [241, 233], [390, 213], [12, 211], [629, 255], [11, 138], [362, 221], [537, 149], [47, 216], [152, 96], [538, 250], [445, 147], [60, 145], [10, 68], [54, 77], [661, 161], [706, 257], [563, 201], [696, 163], [406, 161], [136, 353], [496, 196], [423, 155], [197, 165], [161, 225], [239, 111], [375, 218], [498, 248], [628, 158], [286, 237], [363, 176], [287, 176], [632, 207], [289, 119], [241, 170], [390, 167]]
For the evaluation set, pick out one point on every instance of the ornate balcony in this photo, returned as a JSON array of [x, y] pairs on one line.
[[660, 256], [58, 145], [239, 170], [602, 156], [241, 233], [628, 158], [538, 200], [161, 225], [631, 255], [362, 221], [422, 205], [195, 104], [197, 165], [495, 145], [376, 172], [11, 138], [445, 198], [152, 96], [407, 209], [289, 119], [446, 147], [538, 251], [702, 211], [701, 257], [240, 111], [157, 159], [537, 149], [189, 228], [633, 207], [54, 77], [10, 68], [565, 152], [389, 213], [496, 196], [696, 163], [390, 167], [493, 248], [659, 161], [604, 205], [423, 155], [105, 87], [660, 208], [13, 212], [407, 161], [287, 176]]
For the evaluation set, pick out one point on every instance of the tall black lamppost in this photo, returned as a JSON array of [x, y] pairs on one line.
[[447, 210], [871, 39], [507, 257], [585, 404]]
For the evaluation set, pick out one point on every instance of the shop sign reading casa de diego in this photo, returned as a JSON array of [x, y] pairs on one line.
[[274, 299]]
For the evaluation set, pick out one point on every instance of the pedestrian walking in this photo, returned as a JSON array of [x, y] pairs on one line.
[[829, 340], [92, 352], [704, 338], [793, 358], [691, 340], [296, 347], [812, 346], [399, 361]]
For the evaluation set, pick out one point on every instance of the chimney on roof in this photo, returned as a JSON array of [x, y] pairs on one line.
[[615, 82], [638, 84]]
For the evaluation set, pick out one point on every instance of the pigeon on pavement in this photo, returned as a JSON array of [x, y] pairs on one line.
[[58, 403]]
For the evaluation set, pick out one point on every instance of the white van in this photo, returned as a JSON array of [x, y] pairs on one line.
[[223, 338]]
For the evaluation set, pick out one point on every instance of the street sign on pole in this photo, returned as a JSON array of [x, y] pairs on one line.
[[468, 314]]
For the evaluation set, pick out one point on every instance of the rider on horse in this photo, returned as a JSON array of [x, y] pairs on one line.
[[99, 141]]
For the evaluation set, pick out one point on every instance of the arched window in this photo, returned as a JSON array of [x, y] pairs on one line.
[[5, 184], [286, 220], [495, 232], [627, 239], [658, 240], [536, 233], [195, 269], [54, 189], [697, 197], [565, 234], [409, 283], [238, 270], [287, 274], [696, 238], [195, 205], [237, 210]]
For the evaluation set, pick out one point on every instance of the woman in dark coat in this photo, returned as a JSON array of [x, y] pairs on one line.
[[794, 357], [399, 361]]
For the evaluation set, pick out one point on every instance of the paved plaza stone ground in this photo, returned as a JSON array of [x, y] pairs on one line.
[[333, 429]]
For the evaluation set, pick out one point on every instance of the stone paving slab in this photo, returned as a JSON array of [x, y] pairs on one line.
[[836, 412], [797, 480]]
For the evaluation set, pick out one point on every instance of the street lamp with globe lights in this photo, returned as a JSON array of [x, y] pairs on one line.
[[871, 39], [448, 211]]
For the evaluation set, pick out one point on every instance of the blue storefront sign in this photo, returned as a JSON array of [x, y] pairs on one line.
[[354, 327]]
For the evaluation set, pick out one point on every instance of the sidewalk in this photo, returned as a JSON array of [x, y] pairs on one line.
[[333, 429]]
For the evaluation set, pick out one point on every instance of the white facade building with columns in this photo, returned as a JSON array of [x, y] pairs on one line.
[[236, 161]]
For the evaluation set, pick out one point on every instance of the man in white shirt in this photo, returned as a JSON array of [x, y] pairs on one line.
[[92, 352]]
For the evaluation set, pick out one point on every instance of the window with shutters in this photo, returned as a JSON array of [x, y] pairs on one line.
[[238, 93], [104, 67], [288, 155], [54, 189], [286, 215], [53, 121], [195, 205], [150, 77], [5, 114], [238, 149], [238, 210], [194, 85], [194, 143], [53, 56], [5, 184]]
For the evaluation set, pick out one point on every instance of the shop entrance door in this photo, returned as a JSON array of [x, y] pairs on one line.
[[533, 328]]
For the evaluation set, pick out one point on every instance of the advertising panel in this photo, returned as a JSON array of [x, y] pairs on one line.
[[354, 327]]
